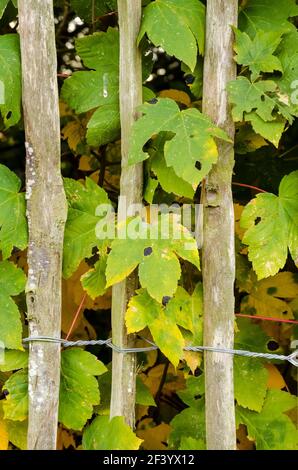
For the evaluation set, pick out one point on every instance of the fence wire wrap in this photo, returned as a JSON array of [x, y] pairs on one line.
[[292, 358]]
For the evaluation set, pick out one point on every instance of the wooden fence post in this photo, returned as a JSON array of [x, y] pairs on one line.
[[218, 231], [123, 370], [46, 212]]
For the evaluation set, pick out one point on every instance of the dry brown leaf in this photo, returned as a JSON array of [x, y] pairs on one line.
[[65, 439], [155, 438]]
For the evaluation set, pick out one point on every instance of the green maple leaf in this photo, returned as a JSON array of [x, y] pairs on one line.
[[17, 433], [80, 230], [250, 374], [167, 178], [250, 382], [97, 88], [14, 360], [10, 79], [267, 15], [12, 282], [250, 336], [94, 281], [247, 97], [194, 390], [271, 429], [182, 310], [156, 254], [85, 9], [263, 218], [196, 87], [193, 138], [288, 56], [3, 4], [106, 434], [104, 125], [143, 394], [78, 389], [173, 23], [15, 405], [257, 53], [261, 104], [270, 130], [189, 443], [13, 221], [195, 415]]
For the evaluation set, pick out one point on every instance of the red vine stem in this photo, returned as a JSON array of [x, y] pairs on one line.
[[259, 317], [76, 316], [249, 186], [243, 315]]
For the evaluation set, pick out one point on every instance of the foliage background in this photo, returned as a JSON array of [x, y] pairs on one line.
[[168, 399]]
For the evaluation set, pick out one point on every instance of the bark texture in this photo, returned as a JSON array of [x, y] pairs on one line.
[[218, 229], [46, 213], [123, 370]]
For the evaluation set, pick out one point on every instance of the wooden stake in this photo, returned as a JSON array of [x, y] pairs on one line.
[[46, 212], [123, 371], [218, 231]]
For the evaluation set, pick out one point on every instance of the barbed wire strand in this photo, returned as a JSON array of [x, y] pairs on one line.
[[292, 358]]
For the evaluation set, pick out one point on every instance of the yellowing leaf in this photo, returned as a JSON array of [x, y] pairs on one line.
[[15, 405], [106, 434], [268, 297], [271, 227], [74, 132], [175, 380], [275, 379], [64, 109], [145, 311], [155, 438], [247, 140], [238, 209], [168, 337], [3, 432], [85, 163], [176, 95], [154, 247]]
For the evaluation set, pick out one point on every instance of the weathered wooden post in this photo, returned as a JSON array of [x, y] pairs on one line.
[[123, 371], [46, 212], [218, 231]]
